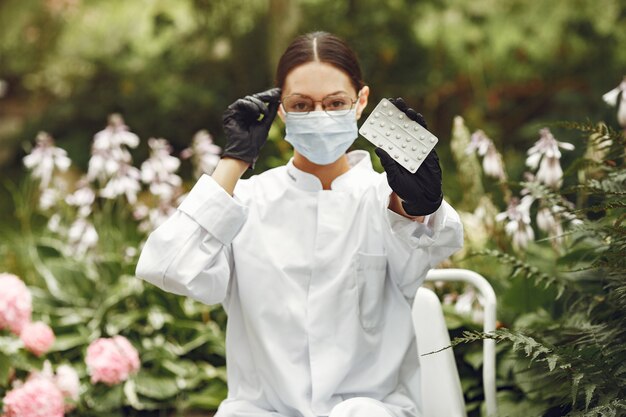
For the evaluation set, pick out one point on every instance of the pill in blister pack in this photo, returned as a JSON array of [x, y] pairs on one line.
[[403, 139]]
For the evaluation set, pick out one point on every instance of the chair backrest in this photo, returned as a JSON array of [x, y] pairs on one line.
[[441, 387], [442, 395]]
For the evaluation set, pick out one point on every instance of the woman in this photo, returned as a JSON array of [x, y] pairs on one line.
[[316, 262]]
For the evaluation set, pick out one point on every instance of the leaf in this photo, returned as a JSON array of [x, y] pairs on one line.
[[475, 359], [209, 398], [66, 342], [157, 387], [552, 360], [105, 398], [131, 395], [589, 390], [5, 369], [575, 384]]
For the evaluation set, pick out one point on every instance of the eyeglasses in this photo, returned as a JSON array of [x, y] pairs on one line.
[[334, 104]]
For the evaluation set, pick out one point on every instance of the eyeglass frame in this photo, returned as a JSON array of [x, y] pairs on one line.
[[352, 103]]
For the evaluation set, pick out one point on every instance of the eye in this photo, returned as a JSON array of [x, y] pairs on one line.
[[298, 105], [336, 103]]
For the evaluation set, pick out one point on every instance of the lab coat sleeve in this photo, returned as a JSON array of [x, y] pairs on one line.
[[190, 253], [413, 247]]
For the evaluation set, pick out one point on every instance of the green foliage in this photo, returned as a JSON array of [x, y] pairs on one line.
[[92, 293], [574, 352], [171, 67]]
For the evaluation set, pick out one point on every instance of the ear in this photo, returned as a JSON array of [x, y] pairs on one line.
[[362, 103], [281, 112]]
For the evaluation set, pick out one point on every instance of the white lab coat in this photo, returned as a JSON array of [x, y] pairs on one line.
[[317, 285]]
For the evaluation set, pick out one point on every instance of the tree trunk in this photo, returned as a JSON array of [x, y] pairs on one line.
[[283, 20]]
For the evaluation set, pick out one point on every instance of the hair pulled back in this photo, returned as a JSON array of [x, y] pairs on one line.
[[322, 47]]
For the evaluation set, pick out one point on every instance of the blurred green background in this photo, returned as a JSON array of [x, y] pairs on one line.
[[172, 66]]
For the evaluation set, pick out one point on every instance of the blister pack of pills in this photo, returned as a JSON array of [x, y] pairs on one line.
[[403, 139]]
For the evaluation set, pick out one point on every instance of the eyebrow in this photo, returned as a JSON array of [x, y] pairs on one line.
[[331, 94]]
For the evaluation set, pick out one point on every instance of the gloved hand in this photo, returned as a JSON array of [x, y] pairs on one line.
[[420, 192], [246, 123]]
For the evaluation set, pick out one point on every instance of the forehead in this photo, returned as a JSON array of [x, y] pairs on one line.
[[317, 79]]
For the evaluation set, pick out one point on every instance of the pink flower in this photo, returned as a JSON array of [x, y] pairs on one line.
[[111, 360], [15, 303], [38, 337], [38, 397]]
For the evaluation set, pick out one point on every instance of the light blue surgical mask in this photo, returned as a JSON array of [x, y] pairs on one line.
[[321, 137]]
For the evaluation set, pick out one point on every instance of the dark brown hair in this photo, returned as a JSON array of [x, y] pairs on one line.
[[323, 47]]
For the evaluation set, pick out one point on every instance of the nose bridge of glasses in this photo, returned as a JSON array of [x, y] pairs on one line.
[[318, 105]]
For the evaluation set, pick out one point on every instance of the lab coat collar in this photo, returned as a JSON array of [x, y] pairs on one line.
[[357, 160]]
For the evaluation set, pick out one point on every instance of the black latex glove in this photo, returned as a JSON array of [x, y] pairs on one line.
[[420, 192], [246, 123]]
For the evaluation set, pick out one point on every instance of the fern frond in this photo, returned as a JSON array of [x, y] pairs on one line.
[[522, 268], [615, 408]]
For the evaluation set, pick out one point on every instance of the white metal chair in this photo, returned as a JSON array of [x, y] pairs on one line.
[[441, 386]]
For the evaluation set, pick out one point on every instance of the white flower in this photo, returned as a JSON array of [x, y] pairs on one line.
[[613, 98], [158, 170], [546, 150], [45, 158], [49, 198], [109, 151], [545, 219], [54, 223], [115, 135], [479, 142], [518, 224], [492, 160], [125, 182], [203, 152], [448, 299], [82, 198], [550, 172], [82, 235], [464, 302], [67, 381], [492, 164]]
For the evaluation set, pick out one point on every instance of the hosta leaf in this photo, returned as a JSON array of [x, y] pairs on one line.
[[105, 398], [209, 398], [157, 387], [65, 342]]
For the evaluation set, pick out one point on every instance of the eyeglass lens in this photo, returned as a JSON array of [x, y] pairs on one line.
[[304, 104]]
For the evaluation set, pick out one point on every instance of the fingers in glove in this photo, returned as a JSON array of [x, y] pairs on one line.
[[249, 110], [399, 103], [388, 163], [272, 98], [411, 114], [423, 208], [269, 96]]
